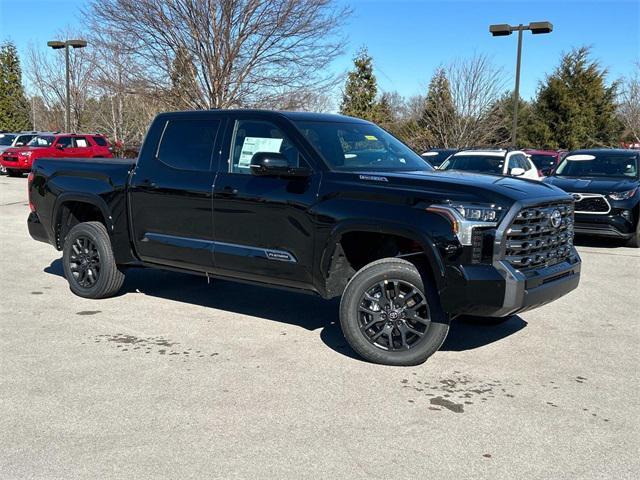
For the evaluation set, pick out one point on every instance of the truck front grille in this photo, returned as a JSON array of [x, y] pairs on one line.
[[591, 203], [540, 236]]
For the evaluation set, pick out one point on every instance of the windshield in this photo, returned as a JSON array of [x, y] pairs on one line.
[[599, 165], [543, 161], [436, 157], [357, 146], [5, 140], [492, 164], [41, 141]]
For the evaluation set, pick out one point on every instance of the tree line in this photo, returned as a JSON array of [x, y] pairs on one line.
[[147, 56]]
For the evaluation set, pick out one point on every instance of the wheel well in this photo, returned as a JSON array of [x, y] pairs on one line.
[[356, 249], [72, 213]]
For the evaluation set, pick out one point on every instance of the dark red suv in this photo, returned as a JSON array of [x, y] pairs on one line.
[[18, 160]]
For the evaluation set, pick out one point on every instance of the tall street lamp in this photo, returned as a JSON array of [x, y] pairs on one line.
[[504, 29], [56, 45]]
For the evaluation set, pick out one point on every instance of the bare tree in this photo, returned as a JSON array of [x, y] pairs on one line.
[[476, 85], [629, 104], [46, 72], [243, 52]]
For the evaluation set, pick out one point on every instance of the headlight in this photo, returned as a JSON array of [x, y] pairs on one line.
[[26, 154], [623, 195], [464, 217]]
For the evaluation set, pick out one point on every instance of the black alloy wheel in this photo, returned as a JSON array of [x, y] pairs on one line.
[[394, 315], [84, 262]]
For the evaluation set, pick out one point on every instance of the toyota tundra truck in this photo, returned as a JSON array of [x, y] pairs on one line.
[[320, 203]]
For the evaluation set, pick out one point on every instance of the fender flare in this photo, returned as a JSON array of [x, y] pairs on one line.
[[90, 199], [426, 243]]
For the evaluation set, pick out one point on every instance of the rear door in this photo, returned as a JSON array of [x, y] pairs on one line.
[[171, 188], [82, 147]]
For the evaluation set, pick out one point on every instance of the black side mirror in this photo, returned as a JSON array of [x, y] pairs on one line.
[[59, 146], [275, 165]]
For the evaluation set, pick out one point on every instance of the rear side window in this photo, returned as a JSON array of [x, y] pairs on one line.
[[81, 142], [101, 141], [188, 144]]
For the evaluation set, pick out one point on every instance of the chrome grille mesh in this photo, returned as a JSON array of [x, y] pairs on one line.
[[532, 240]]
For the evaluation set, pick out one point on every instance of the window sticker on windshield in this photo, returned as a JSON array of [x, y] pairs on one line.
[[253, 145], [371, 137]]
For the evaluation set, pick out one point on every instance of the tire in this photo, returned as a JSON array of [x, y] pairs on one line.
[[14, 173], [634, 242], [3, 170], [396, 345], [88, 262]]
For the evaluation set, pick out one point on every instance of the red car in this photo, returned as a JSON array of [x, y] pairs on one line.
[[18, 160], [544, 160]]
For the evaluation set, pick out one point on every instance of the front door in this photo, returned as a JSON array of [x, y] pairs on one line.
[[262, 226], [170, 193]]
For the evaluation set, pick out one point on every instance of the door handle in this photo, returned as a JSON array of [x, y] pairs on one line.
[[229, 191]]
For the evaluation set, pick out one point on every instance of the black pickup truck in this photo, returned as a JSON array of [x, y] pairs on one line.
[[320, 203]]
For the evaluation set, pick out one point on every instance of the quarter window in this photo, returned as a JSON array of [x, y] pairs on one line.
[[101, 141], [253, 136], [188, 144]]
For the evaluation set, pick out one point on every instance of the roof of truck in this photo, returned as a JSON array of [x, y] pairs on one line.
[[294, 116]]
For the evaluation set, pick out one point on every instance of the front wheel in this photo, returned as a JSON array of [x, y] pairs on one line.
[[634, 242], [14, 173], [88, 261], [390, 316]]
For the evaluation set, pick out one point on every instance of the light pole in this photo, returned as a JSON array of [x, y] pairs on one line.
[[504, 29], [56, 45]]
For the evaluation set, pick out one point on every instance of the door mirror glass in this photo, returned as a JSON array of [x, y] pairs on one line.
[[59, 146], [517, 171]]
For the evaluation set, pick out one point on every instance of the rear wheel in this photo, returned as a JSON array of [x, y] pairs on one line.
[[389, 316], [88, 261], [14, 173]]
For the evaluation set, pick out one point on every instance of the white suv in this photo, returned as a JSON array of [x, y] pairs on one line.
[[514, 163]]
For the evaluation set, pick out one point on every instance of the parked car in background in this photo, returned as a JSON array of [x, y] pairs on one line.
[[323, 203], [514, 163], [605, 184], [436, 156], [8, 140], [544, 160], [18, 160]]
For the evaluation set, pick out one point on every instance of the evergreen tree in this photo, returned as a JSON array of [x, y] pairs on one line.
[[575, 107], [14, 108], [439, 114], [503, 117], [361, 89]]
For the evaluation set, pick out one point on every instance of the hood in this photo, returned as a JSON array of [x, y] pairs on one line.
[[602, 185], [460, 186]]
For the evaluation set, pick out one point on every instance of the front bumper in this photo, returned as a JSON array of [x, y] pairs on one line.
[[499, 290], [612, 225]]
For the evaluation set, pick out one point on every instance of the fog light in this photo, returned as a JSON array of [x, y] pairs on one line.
[[627, 215]]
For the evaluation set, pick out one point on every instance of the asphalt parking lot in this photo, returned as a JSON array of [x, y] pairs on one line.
[[175, 378]]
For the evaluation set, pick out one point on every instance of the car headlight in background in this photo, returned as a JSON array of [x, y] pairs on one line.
[[623, 195], [465, 217], [25, 154]]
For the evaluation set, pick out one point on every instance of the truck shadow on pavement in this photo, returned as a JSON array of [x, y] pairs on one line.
[[307, 311]]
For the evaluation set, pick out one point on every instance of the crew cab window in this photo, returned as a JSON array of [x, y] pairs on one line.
[[65, 142], [253, 136], [187, 144], [81, 142]]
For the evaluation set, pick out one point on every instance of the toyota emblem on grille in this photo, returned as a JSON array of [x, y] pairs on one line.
[[556, 218], [576, 196]]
